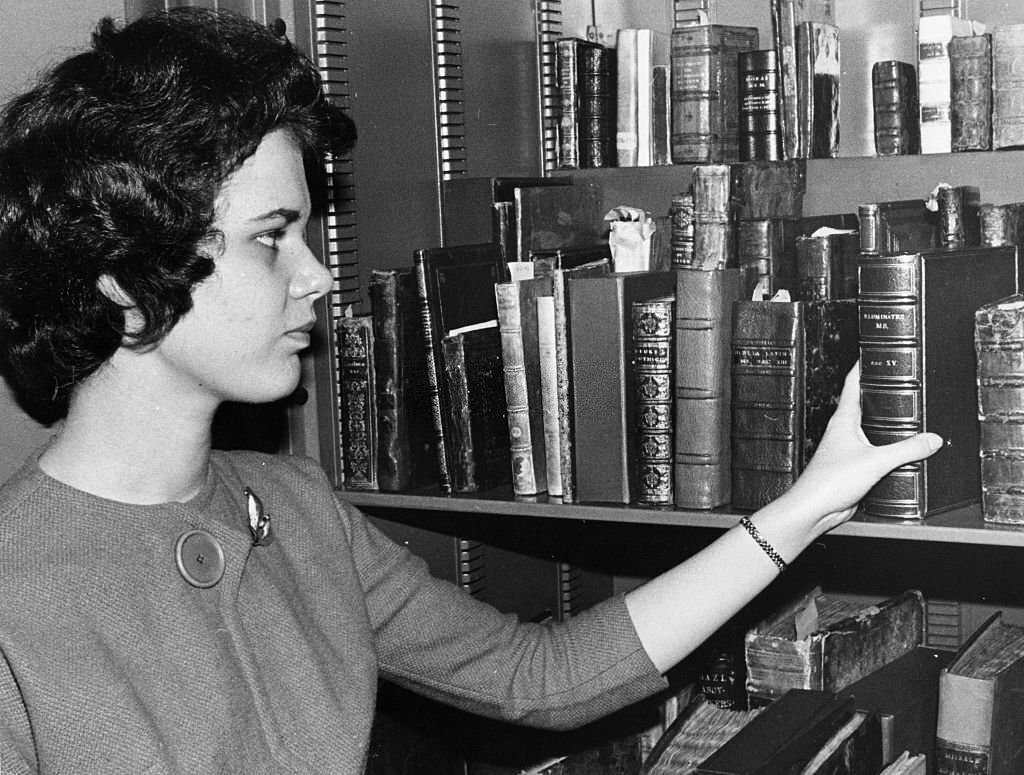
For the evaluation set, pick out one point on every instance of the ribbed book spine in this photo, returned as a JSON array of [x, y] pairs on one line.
[[970, 92], [1008, 86], [652, 328], [759, 130], [358, 402], [897, 128]]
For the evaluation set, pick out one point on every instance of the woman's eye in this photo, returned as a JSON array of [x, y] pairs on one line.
[[270, 238]]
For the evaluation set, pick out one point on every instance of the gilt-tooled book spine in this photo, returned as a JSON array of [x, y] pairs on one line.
[[568, 64], [970, 92], [597, 89], [999, 345], [703, 335], [817, 88], [897, 128], [652, 328], [358, 402], [918, 370], [789, 360], [759, 133], [713, 246], [681, 225], [705, 91], [1008, 86]]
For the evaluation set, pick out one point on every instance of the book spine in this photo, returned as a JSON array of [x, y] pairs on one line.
[[712, 225], [1000, 224], [963, 733], [703, 389], [358, 402], [827, 265], [661, 115], [652, 325], [895, 109], [567, 52], [548, 362], [759, 132], [384, 301], [784, 35], [627, 137], [970, 92], [759, 250], [597, 107], [681, 225], [453, 356], [563, 388], [524, 476], [999, 346], [933, 79], [958, 216], [818, 71], [1008, 86]]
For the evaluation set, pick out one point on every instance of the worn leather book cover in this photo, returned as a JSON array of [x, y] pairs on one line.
[[1007, 86], [601, 353], [586, 101], [999, 346], [703, 388], [705, 91], [760, 137], [918, 369], [823, 642], [652, 328], [768, 189], [357, 377], [959, 218], [897, 128], [934, 79], [970, 92], [789, 360], [826, 263], [407, 453], [817, 89], [897, 226], [476, 410], [981, 704], [1001, 224], [713, 235]]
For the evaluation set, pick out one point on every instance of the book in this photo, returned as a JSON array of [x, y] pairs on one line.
[[713, 246], [1001, 224], [970, 92], [823, 642], [637, 52], [999, 347], [661, 115], [817, 89], [907, 764], [652, 329], [904, 695], [918, 368], [472, 360], [358, 385], [705, 91], [568, 64], [758, 135], [762, 257], [552, 217], [897, 225], [768, 189], [696, 733], [681, 229], [826, 263], [703, 390], [547, 357], [586, 104], [981, 704], [933, 77], [454, 290], [783, 13], [1007, 86], [789, 360], [958, 211], [602, 357], [407, 454], [520, 353], [897, 128]]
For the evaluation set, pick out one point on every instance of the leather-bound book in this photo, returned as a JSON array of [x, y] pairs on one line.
[[759, 130], [768, 189], [652, 329], [958, 211], [817, 88], [762, 258], [551, 217], [1008, 86], [918, 371], [897, 127], [1001, 224], [898, 225], [602, 366], [827, 264], [789, 359], [407, 454], [933, 77], [703, 389], [970, 92], [999, 346], [637, 52], [705, 91], [713, 237], [586, 99], [681, 230], [358, 383]]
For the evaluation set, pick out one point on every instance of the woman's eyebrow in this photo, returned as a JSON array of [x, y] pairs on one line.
[[290, 215]]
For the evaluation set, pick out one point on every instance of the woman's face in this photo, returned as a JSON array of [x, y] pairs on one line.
[[252, 316]]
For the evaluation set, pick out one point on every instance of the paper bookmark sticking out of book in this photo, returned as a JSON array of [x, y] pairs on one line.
[[630, 238]]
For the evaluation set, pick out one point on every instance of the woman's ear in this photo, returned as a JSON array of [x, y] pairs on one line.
[[111, 288]]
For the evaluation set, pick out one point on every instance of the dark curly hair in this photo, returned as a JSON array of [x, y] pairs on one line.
[[110, 166]]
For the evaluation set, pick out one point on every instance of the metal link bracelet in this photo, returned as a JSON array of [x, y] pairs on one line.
[[761, 541]]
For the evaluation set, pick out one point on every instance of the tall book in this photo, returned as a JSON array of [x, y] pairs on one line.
[[661, 115], [552, 217], [828, 643], [970, 92], [705, 91], [759, 133], [981, 704], [358, 385], [586, 102], [789, 360], [652, 329], [999, 346], [703, 388], [602, 378], [898, 225], [817, 89], [472, 361], [1007, 86], [637, 52], [407, 454], [918, 372], [713, 239], [455, 290], [897, 127], [933, 77]]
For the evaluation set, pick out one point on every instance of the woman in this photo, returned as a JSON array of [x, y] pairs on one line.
[[168, 608]]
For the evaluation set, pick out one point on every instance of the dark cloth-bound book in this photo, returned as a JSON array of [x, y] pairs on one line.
[[705, 91], [407, 451], [1007, 86], [999, 346], [703, 389], [970, 92], [551, 217], [817, 89], [455, 290], [789, 360], [918, 372], [897, 127], [981, 704], [602, 358], [358, 383], [652, 329], [759, 135]]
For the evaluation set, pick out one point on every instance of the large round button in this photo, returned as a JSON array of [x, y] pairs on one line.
[[200, 558]]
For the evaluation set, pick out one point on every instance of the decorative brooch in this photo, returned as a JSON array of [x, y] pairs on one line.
[[259, 520]]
